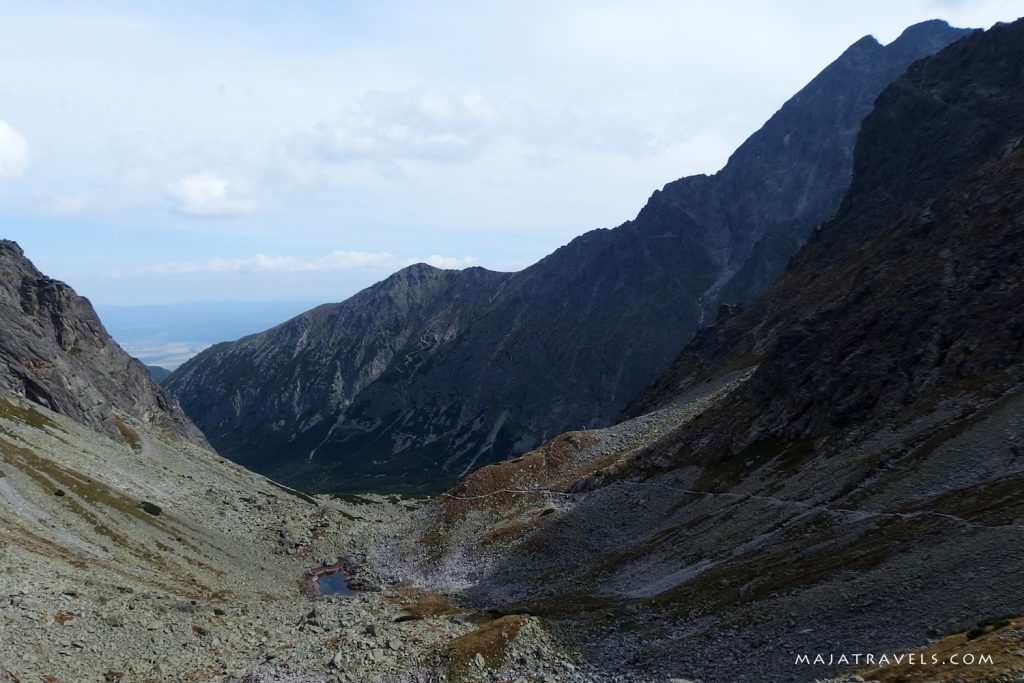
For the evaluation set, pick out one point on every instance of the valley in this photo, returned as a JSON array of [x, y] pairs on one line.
[[212, 587], [574, 474]]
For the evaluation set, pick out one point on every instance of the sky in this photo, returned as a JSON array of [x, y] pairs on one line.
[[159, 153]]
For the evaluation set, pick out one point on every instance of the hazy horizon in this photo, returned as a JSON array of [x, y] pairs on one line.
[[166, 335]]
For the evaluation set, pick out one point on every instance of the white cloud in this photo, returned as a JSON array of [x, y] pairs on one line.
[[336, 260], [445, 262], [261, 263], [422, 124], [13, 152], [207, 195]]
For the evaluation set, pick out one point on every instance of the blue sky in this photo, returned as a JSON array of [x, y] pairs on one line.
[[170, 152]]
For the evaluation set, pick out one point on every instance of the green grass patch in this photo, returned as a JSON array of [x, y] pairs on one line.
[[1002, 621], [49, 475], [351, 499], [991, 624], [993, 503], [26, 414], [724, 470]]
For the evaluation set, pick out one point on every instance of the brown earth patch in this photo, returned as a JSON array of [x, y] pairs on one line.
[[418, 603], [491, 641]]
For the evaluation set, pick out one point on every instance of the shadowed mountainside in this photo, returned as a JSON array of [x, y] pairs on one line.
[[837, 468]]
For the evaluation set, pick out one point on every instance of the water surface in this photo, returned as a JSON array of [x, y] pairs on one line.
[[334, 584]]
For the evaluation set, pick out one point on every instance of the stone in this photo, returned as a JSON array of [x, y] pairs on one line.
[[113, 620]]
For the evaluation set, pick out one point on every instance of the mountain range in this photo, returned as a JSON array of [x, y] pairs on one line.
[[425, 376]]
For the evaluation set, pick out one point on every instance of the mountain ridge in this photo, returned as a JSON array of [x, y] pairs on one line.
[[571, 340]]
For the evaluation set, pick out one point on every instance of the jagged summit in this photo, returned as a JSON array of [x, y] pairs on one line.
[[929, 36], [924, 31]]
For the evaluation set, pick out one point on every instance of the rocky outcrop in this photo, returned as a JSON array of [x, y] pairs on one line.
[[55, 352], [397, 401]]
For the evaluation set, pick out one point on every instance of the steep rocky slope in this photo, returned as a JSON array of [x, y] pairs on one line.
[[55, 352], [409, 388], [838, 468], [124, 540], [168, 563]]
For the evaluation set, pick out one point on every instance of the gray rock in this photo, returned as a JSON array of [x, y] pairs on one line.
[[114, 620]]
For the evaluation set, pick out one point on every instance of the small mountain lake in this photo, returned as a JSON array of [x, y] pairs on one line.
[[334, 583]]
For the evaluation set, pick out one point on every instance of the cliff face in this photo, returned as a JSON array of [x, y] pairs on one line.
[[563, 344], [839, 463], [55, 352]]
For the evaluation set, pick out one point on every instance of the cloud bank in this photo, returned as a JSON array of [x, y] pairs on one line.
[[261, 263], [448, 126]]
